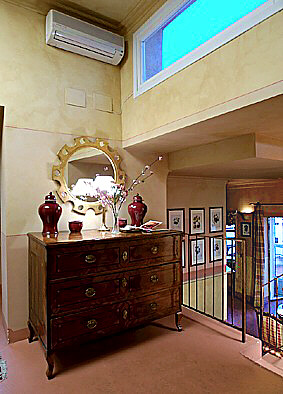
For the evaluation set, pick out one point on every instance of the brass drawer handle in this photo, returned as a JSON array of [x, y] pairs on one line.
[[90, 258], [125, 255], [90, 292], [153, 306], [125, 314], [91, 324], [124, 282], [154, 278], [154, 250]]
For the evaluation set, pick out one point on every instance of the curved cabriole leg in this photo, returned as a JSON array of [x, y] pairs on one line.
[[178, 318], [50, 367], [31, 337]]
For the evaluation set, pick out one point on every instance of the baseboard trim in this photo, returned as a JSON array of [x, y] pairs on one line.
[[14, 336], [18, 335], [212, 323]]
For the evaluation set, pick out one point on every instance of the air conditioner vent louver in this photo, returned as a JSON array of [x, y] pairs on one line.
[[74, 35]]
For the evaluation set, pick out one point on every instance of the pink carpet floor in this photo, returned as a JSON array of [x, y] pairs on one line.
[[152, 359]]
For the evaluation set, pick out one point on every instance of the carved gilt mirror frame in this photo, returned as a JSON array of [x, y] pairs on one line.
[[65, 153]]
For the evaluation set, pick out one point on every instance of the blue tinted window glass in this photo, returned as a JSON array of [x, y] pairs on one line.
[[198, 23], [152, 55]]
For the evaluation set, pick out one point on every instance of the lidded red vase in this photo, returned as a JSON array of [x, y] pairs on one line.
[[50, 213], [137, 210]]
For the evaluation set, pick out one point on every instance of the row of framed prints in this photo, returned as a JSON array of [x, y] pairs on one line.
[[176, 220], [197, 251]]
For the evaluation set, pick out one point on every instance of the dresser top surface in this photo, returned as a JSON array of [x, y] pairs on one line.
[[65, 237]]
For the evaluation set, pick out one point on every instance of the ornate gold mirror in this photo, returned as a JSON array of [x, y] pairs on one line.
[[81, 169]]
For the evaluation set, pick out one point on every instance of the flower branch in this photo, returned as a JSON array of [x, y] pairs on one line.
[[115, 197]]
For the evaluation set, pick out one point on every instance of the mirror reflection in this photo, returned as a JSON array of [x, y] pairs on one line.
[[88, 169]]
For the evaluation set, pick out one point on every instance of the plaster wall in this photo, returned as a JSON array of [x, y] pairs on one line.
[[240, 195], [234, 70], [34, 76], [33, 185], [1, 134], [38, 123], [185, 192], [227, 150]]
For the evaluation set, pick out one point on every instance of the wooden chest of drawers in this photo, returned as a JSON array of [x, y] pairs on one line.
[[86, 286]]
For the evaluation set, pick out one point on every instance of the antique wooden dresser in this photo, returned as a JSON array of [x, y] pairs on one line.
[[85, 286]]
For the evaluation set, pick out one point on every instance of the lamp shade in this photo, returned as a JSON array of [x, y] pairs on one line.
[[83, 187], [103, 183]]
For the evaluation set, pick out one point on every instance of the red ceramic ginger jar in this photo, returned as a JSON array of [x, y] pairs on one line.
[[137, 210], [50, 213]]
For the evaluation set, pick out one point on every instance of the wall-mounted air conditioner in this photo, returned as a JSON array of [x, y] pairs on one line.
[[74, 35]]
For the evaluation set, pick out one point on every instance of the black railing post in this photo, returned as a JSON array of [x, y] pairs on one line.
[[244, 293], [189, 270], [223, 278]]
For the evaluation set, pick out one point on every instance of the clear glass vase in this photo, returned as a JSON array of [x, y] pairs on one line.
[[115, 229]]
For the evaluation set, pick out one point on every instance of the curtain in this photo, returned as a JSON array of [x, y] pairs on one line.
[[258, 253]]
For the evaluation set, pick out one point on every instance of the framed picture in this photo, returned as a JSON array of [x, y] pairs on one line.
[[183, 254], [246, 229], [216, 250], [197, 223], [197, 251], [215, 220], [176, 219]]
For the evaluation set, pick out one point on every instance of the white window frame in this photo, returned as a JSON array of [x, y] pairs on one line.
[[168, 10]]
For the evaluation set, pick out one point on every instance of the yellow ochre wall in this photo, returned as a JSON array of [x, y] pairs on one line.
[[248, 63], [33, 78]]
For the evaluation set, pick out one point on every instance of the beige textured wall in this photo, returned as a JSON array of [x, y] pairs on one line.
[[28, 180], [224, 151], [188, 193], [240, 195], [33, 78], [1, 133], [233, 70], [185, 192]]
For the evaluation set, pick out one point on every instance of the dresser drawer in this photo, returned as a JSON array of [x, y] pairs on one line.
[[86, 325], [155, 279], [155, 305], [152, 249], [83, 293], [83, 262]]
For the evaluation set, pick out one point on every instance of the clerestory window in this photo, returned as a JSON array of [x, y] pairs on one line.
[[182, 32]]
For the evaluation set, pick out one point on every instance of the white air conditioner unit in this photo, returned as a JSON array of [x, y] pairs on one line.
[[74, 35]]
